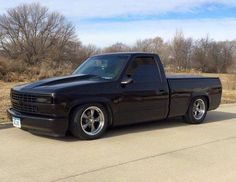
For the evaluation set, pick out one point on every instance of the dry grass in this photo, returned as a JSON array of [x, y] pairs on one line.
[[19, 71], [229, 87], [228, 82], [5, 98]]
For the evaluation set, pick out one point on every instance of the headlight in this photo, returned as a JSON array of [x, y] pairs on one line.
[[44, 100]]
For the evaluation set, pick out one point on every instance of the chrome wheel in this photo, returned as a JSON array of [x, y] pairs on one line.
[[92, 120], [199, 109]]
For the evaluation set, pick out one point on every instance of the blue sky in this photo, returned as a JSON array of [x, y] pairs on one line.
[[103, 22]]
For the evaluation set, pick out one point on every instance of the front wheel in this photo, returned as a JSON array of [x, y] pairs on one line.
[[89, 121], [197, 111]]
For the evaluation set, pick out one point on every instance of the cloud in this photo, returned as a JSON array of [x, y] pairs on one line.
[[103, 34], [129, 20], [82, 9]]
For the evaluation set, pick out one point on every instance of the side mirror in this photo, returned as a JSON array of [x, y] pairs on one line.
[[126, 81]]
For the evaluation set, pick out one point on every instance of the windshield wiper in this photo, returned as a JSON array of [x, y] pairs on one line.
[[107, 77], [97, 76]]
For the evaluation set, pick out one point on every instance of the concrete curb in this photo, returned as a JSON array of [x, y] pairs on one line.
[[228, 105], [5, 125]]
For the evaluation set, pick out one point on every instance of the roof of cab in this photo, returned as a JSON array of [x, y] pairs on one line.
[[127, 53]]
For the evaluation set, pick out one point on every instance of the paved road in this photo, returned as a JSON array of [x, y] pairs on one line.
[[162, 151]]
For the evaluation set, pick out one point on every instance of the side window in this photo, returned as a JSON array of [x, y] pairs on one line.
[[143, 69]]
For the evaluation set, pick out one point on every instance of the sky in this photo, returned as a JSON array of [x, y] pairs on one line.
[[104, 22]]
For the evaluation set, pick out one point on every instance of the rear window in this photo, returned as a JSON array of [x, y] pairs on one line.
[[144, 69]]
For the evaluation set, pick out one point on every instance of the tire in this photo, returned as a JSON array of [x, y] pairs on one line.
[[197, 111], [89, 121]]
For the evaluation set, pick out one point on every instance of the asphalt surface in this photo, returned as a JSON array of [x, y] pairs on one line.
[[159, 151]]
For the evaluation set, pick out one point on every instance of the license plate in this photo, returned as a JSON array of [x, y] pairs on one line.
[[16, 122]]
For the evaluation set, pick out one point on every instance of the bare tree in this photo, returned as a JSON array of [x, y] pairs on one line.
[[181, 51], [142, 45], [149, 45], [117, 47], [32, 33], [226, 58], [83, 52], [201, 54], [212, 56]]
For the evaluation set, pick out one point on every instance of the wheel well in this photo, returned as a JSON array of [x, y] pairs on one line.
[[207, 99], [106, 106]]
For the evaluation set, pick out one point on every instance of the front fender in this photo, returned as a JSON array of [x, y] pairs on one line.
[[87, 100], [104, 101]]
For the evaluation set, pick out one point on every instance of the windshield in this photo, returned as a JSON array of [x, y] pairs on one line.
[[106, 66]]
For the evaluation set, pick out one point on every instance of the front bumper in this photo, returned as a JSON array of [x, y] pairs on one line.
[[51, 126]]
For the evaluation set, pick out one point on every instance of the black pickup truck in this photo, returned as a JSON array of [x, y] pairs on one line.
[[109, 90]]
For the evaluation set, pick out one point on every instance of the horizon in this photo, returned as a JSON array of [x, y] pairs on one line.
[[103, 23]]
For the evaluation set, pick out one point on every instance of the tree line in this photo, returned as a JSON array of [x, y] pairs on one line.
[[205, 55], [30, 33]]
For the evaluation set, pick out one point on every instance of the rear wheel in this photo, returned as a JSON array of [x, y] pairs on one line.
[[197, 111], [89, 121]]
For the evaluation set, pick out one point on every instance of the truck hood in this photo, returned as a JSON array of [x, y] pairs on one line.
[[57, 83]]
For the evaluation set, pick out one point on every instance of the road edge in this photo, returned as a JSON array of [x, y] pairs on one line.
[[5, 125]]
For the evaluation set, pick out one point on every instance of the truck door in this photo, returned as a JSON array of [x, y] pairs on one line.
[[144, 96]]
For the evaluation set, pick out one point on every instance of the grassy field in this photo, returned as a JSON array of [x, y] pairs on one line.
[[229, 87], [228, 82], [5, 98]]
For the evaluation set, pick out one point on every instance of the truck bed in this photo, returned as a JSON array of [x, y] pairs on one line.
[[177, 76], [185, 87]]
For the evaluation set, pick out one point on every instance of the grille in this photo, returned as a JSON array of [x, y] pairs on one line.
[[23, 102], [23, 97], [24, 107]]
